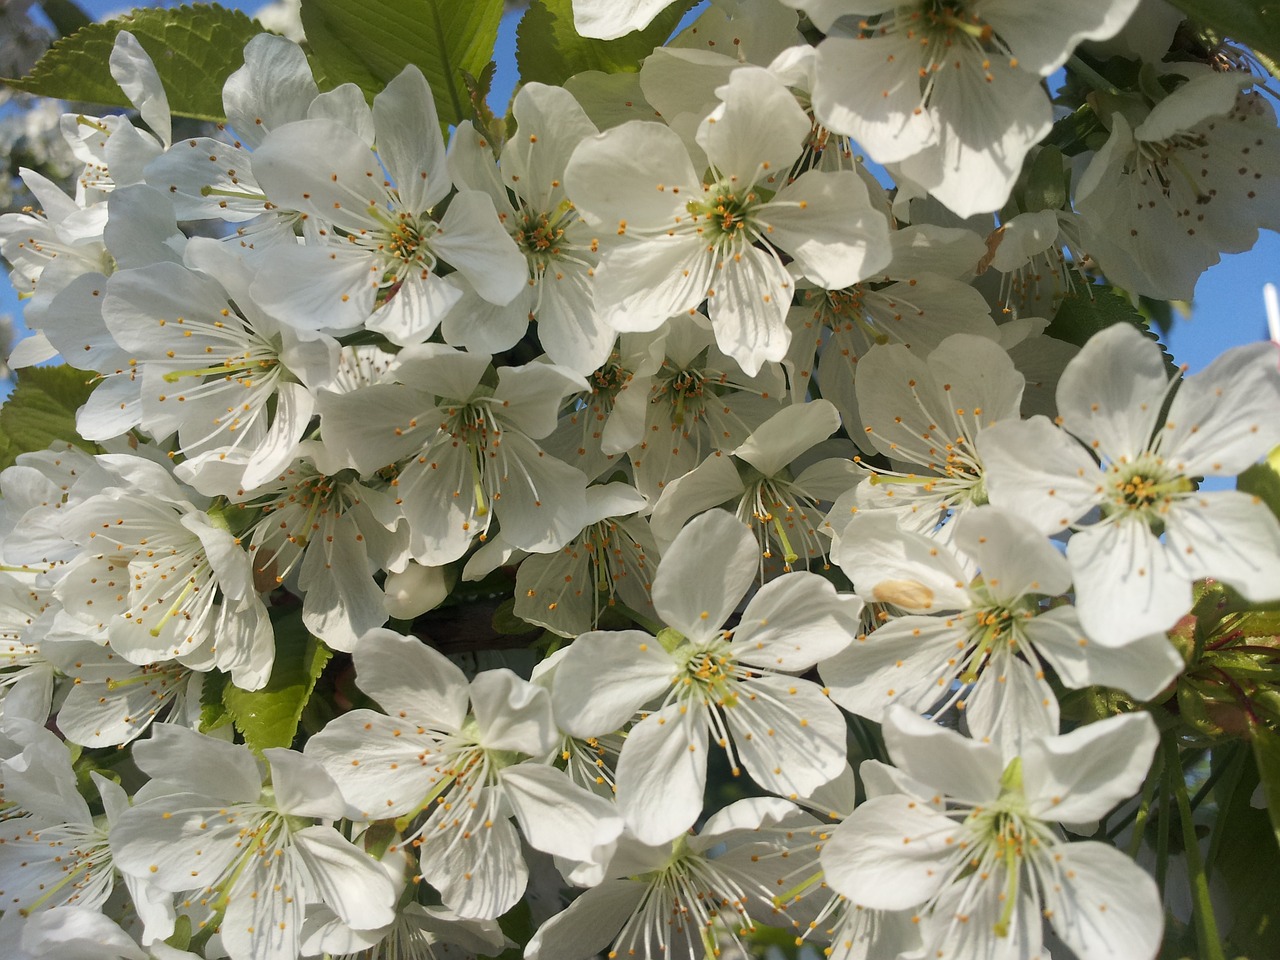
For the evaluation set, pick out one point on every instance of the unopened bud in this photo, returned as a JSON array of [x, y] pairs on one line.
[[416, 590]]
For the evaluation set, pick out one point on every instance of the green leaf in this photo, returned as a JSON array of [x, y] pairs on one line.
[[195, 49], [1093, 308], [368, 42], [213, 712], [1090, 310], [1246, 870], [42, 409], [1249, 22], [549, 50], [269, 717], [1263, 481], [1266, 753]]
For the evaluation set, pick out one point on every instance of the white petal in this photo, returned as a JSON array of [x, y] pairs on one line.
[[624, 177], [758, 128], [748, 305], [795, 621], [1014, 557], [418, 306], [404, 675], [532, 395], [910, 660], [790, 737], [959, 767], [323, 169], [712, 483], [638, 287], [302, 787], [377, 762], [1043, 37], [787, 434], [556, 815], [987, 119], [1230, 536], [132, 68], [1102, 904], [1010, 703], [891, 565], [890, 853], [1078, 776], [605, 678], [274, 86], [409, 140], [1038, 472], [610, 19], [200, 764], [826, 222], [662, 772], [346, 878], [474, 242], [1221, 419], [476, 863], [1141, 668], [1126, 584], [1111, 393], [870, 89], [589, 924], [177, 842], [696, 597], [553, 120], [511, 713]]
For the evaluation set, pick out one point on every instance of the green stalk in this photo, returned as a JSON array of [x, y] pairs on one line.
[[1092, 76], [1162, 827], [1144, 810], [1207, 938]]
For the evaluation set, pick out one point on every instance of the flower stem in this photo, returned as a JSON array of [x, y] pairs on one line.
[[1207, 938]]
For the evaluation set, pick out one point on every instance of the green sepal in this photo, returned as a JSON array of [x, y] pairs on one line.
[[507, 623], [1046, 183], [180, 939], [195, 48]]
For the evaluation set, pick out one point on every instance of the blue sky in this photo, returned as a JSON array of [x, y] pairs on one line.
[[1228, 308]]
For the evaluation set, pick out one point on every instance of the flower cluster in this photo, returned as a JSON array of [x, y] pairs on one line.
[[737, 388]]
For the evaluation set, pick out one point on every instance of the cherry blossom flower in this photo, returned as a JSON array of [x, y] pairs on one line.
[[699, 681], [949, 92], [972, 841], [681, 239], [690, 898], [469, 772], [981, 643], [252, 854], [1119, 453]]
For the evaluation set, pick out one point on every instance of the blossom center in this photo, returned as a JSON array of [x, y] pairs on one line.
[[1143, 489], [724, 214]]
